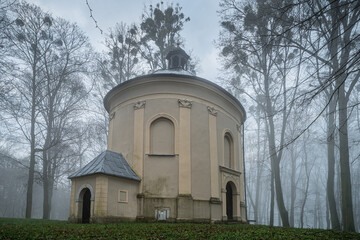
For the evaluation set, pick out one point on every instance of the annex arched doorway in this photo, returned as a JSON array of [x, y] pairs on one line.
[[230, 200], [86, 206]]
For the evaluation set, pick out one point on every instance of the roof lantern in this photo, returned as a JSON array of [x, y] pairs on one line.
[[177, 58]]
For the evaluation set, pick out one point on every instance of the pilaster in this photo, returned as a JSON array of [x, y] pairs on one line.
[[138, 154], [184, 147], [214, 163]]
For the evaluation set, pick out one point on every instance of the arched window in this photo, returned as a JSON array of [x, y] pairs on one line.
[[162, 135], [228, 151]]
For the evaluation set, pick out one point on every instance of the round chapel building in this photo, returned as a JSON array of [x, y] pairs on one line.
[[174, 153]]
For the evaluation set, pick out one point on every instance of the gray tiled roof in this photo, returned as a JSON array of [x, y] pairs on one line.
[[109, 163]]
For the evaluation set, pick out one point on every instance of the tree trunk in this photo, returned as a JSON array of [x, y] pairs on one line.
[[346, 195], [258, 175], [303, 203], [30, 182], [327, 216], [257, 194], [279, 195], [340, 72], [47, 149], [46, 211], [274, 157], [50, 194], [307, 172], [275, 163], [252, 204], [316, 210], [293, 187], [272, 196], [331, 166], [46, 203]]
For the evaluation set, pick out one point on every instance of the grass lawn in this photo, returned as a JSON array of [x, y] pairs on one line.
[[48, 229]]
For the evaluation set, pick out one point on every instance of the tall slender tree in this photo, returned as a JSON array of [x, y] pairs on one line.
[[263, 61], [28, 45], [51, 55], [63, 97]]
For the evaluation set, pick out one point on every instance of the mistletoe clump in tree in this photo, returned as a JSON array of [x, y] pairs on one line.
[[160, 31]]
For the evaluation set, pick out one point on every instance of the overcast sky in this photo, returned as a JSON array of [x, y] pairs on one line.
[[199, 33]]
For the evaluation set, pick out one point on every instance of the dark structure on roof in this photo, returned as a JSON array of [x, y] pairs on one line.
[[177, 59], [109, 163]]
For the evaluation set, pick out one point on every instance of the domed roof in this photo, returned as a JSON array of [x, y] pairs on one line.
[[176, 72]]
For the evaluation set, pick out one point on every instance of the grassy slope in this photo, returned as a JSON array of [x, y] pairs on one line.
[[47, 229]]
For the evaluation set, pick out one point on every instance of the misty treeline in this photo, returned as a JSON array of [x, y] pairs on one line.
[[51, 91], [293, 64]]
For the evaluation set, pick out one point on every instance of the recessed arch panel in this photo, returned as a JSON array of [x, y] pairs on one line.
[[162, 136], [155, 123]]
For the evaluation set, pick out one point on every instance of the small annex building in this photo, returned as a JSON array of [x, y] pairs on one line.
[[175, 153]]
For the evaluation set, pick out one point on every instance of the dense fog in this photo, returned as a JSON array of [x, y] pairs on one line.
[[293, 65]]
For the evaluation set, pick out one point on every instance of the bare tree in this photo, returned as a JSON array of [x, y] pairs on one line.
[[121, 60], [335, 47], [255, 54], [51, 57], [342, 68], [25, 36], [258, 162], [65, 64], [331, 128], [259, 168]]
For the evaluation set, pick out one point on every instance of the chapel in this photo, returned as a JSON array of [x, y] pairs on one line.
[[175, 153]]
